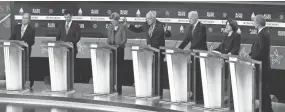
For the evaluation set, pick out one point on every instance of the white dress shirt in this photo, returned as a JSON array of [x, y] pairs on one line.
[[23, 29]]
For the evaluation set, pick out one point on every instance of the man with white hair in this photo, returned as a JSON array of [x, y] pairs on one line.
[[25, 32], [196, 34], [260, 51], [155, 35]]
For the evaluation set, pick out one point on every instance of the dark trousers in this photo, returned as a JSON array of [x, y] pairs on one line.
[[266, 99], [198, 79], [120, 69]]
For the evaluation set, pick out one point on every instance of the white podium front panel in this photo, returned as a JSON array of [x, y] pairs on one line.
[[211, 71], [177, 73], [143, 74], [13, 68], [100, 60], [242, 87], [58, 68]]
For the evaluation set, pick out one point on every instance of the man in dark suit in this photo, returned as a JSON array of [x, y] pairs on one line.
[[260, 51], [25, 32], [69, 31], [155, 34], [197, 35]]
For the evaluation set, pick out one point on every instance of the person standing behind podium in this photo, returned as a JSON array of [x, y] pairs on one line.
[[196, 34], [69, 31], [260, 50], [25, 32], [117, 36], [155, 35], [231, 44]]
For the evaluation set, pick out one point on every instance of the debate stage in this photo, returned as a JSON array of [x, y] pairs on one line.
[[37, 100]]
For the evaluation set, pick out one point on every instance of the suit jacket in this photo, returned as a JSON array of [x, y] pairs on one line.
[[198, 38], [231, 44], [117, 37], [28, 37], [73, 34], [157, 39], [260, 50]]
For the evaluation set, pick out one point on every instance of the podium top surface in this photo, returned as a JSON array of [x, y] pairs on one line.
[[58, 44], [204, 53], [236, 58], [97, 45], [13, 42], [170, 50], [142, 47]]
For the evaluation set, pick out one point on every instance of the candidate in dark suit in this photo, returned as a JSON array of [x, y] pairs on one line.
[[69, 31], [196, 34], [155, 34], [25, 32], [231, 44], [260, 51], [117, 36]]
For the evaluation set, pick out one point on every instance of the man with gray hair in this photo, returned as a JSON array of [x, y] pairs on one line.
[[260, 51], [155, 35], [196, 34], [25, 32]]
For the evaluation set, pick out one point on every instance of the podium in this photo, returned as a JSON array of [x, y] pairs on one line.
[[178, 64], [212, 76], [16, 59], [104, 68], [244, 84], [61, 64], [146, 65]]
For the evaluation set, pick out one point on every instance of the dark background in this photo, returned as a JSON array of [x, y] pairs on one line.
[[40, 66]]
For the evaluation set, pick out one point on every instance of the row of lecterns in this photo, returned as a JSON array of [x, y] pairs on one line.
[[246, 88]]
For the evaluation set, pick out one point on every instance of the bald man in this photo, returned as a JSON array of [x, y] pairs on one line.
[[155, 35], [196, 34], [25, 32]]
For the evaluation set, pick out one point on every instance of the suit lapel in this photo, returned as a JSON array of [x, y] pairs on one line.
[[25, 32], [195, 28]]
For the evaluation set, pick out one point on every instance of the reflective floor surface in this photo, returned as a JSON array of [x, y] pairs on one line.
[[39, 101]]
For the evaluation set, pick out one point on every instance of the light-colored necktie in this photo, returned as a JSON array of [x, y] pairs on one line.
[[66, 28], [150, 30], [193, 30], [22, 30]]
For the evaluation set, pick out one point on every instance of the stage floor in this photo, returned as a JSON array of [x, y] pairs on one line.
[[75, 102]]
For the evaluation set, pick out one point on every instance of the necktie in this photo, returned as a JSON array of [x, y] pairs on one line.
[[66, 27], [150, 30], [22, 30], [193, 30]]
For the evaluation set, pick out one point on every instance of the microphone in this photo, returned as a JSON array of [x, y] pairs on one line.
[[140, 40], [211, 45], [175, 44], [98, 41], [241, 47]]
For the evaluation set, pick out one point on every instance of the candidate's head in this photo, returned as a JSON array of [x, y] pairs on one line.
[[231, 25], [67, 15], [26, 18], [151, 17], [193, 17], [114, 17], [259, 21]]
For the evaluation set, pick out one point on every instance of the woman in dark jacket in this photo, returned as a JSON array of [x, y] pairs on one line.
[[117, 36], [231, 44]]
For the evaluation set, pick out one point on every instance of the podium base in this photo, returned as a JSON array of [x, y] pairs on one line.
[[66, 92], [164, 101], [98, 94], [201, 107], [15, 91], [137, 97]]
